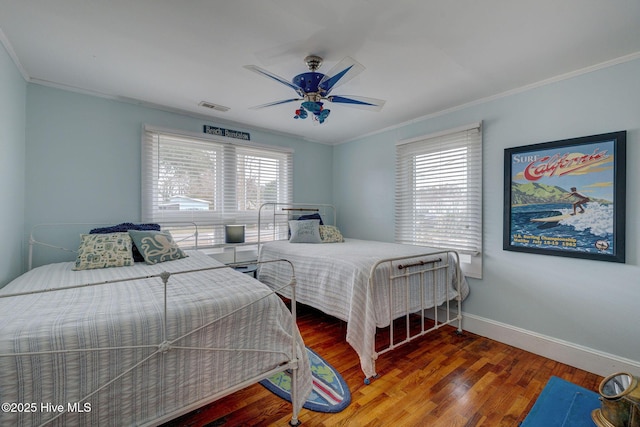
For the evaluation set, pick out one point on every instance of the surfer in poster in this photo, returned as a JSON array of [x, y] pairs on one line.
[[582, 200], [547, 211]]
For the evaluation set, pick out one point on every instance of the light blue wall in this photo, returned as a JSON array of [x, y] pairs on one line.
[[12, 166], [83, 157], [590, 303]]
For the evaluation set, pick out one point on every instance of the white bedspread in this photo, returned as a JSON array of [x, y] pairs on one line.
[[333, 277], [131, 314]]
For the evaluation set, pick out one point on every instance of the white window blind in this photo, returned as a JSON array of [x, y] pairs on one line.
[[439, 191], [211, 182]]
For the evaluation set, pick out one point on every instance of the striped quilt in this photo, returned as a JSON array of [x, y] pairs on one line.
[[221, 309], [334, 278]]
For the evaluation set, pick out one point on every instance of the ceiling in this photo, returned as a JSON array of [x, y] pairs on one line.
[[421, 56]]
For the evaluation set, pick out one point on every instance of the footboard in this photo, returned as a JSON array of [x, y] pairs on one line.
[[418, 286]]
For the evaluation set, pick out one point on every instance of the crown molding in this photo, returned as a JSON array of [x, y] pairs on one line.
[[561, 77], [12, 54]]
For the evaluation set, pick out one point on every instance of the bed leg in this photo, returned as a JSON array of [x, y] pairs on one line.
[[459, 330]]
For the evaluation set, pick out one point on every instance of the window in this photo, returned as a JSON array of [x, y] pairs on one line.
[[211, 182], [439, 193]]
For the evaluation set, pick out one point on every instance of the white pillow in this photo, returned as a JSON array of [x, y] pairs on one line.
[[305, 231]]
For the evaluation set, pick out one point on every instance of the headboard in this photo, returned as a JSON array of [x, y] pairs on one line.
[[61, 240], [273, 218]]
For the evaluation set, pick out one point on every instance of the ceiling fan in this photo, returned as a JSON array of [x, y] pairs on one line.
[[313, 88]]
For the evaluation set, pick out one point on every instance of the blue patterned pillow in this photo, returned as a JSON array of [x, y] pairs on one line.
[[123, 228], [104, 250], [156, 246]]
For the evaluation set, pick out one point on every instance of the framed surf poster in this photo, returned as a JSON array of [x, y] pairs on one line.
[[567, 198]]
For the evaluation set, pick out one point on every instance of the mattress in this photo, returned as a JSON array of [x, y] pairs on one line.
[[334, 277], [221, 309]]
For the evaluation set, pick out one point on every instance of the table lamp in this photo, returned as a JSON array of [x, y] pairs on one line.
[[234, 233]]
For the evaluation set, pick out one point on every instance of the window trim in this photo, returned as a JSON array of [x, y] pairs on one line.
[[471, 262], [209, 218]]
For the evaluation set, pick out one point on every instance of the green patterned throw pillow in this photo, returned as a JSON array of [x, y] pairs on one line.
[[330, 234], [156, 246], [104, 250]]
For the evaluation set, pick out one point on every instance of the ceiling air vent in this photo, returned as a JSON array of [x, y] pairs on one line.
[[212, 106]]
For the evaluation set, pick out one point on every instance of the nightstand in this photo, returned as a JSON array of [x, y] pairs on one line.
[[251, 269]]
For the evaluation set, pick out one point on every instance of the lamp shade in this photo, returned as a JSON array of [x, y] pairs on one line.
[[234, 233]]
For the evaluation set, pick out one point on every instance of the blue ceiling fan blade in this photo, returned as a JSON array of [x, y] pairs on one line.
[[271, 104], [272, 76], [341, 73], [362, 102]]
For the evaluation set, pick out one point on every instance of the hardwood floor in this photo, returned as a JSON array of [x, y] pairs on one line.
[[441, 380]]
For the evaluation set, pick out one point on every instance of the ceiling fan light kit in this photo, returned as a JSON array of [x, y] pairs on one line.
[[314, 88]]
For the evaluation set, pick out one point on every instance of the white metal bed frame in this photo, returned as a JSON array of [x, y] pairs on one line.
[[441, 315], [168, 344]]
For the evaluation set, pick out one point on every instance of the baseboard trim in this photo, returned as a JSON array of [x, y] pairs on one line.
[[581, 357]]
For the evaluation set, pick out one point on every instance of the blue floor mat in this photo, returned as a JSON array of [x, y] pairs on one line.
[[562, 404]]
